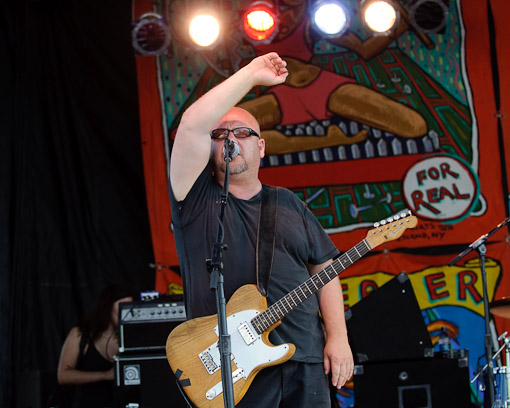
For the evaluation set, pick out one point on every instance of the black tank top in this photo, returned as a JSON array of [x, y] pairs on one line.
[[98, 394]]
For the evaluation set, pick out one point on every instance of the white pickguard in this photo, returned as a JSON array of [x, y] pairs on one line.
[[246, 356]]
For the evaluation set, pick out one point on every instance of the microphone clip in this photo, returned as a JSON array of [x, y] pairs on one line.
[[230, 149]]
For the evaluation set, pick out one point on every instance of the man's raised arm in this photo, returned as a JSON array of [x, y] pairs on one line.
[[192, 145]]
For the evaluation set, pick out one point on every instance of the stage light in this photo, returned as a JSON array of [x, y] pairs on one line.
[[330, 18], [204, 29], [150, 35], [380, 16], [429, 16], [260, 22]]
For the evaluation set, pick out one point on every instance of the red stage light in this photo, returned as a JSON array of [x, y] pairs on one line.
[[259, 22]]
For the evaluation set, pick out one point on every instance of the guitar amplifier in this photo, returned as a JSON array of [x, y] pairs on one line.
[[145, 326]]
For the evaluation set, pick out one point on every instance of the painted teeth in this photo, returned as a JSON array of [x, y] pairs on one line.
[[382, 148], [379, 143], [319, 130], [355, 151], [369, 149]]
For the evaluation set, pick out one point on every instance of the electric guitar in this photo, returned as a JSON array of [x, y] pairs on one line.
[[192, 347]]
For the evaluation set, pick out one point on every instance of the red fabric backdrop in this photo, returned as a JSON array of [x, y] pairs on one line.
[[422, 253]]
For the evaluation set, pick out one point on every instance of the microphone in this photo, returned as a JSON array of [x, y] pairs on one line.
[[233, 149]]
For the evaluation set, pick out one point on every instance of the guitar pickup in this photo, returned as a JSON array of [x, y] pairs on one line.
[[246, 333]]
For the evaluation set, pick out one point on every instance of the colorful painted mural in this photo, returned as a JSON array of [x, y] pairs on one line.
[[365, 127]]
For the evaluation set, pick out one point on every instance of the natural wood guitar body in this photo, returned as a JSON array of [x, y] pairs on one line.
[[192, 337]]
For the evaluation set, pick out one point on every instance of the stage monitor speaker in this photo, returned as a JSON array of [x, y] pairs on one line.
[[426, 383], [146, 381], [388, 325]]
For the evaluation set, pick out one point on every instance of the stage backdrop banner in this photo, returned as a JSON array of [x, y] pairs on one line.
[[365, 127]]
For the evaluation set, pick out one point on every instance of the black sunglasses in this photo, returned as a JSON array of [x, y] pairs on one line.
[[239, 133]]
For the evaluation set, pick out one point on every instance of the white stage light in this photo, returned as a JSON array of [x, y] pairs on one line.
[[330, 18], [204, 30], [380, 16]]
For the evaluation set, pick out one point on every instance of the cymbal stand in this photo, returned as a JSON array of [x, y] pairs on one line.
[[493, 357]]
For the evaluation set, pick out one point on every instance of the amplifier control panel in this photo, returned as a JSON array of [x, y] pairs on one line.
[[137, 312]]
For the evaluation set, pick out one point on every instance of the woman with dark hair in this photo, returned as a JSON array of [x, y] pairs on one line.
[[86, 359]]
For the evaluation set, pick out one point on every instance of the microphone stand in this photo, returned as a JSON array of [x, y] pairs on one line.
[[479, 245], [215, 267]]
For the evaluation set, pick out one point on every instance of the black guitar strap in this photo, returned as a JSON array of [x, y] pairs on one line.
[[266, 237]]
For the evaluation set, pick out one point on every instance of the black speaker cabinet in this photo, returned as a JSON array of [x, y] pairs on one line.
[[426, 383], [146, 381], [388, 325]]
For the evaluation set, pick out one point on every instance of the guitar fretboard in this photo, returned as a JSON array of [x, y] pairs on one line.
[[286, 304]]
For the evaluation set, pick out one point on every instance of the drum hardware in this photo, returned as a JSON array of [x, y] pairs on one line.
[[501, 374], [501, 307]]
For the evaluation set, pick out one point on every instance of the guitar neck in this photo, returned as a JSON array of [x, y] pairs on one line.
[[289, 302]]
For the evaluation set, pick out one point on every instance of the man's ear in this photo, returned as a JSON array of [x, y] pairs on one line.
[[262, 147]]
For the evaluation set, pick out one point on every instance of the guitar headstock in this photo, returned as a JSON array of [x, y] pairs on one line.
[[391, 228]]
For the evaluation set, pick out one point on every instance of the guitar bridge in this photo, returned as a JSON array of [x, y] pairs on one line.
[[209, 358]]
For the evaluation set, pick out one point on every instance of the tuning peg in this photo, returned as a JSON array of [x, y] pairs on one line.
[[376, 224], [397, 217], [390, 219], [383, 222]]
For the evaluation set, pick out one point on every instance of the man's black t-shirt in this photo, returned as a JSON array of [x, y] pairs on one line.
[[300, 240]]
